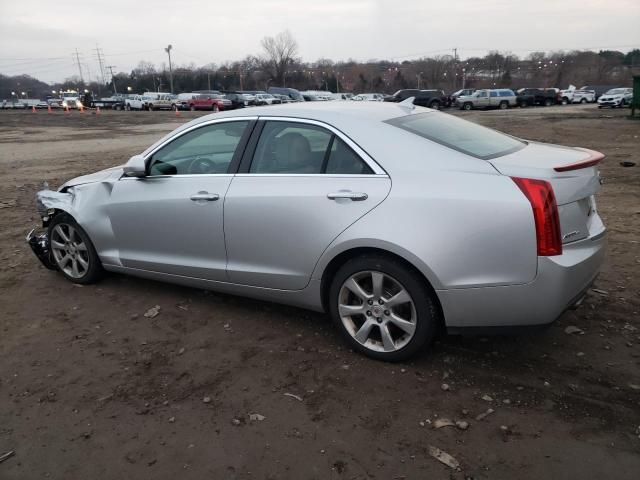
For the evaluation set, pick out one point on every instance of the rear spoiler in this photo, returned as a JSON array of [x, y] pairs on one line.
[[593, 159]]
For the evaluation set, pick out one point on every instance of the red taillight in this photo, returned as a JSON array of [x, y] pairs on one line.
[[545, 214]]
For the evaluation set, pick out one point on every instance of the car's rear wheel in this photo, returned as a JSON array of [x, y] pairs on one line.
[[583, 100], [435, 105], [215, 108], [72, 250], [504, 105], [383, 308], [548, 102]]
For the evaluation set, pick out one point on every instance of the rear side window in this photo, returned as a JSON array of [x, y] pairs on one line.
[[493, 93], [458, 134], [298, 148], [508, 93]]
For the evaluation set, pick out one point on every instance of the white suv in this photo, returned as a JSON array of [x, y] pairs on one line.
[[136, 102], [616, 97]]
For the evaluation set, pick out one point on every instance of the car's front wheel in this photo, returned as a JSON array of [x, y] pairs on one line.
[[467, 106], [72, 250], [383, 308]]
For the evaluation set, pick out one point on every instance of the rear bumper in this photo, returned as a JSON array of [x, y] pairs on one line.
[[560, 284]]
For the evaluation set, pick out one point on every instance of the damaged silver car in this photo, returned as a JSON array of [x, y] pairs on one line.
[[394, 219]]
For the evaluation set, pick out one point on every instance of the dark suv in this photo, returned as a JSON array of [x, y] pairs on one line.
[[435, 99], [528, 97]]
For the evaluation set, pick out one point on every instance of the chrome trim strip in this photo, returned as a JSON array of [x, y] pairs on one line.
[[313, 175]]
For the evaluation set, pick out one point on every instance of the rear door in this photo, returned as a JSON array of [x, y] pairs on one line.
[[300, 185]]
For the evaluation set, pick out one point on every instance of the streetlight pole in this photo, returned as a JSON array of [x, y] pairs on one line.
[[168, 50]]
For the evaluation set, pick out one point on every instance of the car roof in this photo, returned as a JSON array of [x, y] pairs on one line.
[[333, 113]]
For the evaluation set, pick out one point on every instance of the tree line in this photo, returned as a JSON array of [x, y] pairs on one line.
[[279, 64]]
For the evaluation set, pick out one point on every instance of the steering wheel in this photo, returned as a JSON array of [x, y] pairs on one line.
[[202, 165]]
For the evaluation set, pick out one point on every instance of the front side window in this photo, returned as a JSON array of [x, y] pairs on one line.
[[297, 148], [205, 150]]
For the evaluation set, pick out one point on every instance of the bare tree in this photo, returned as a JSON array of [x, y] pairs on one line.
[[280, 52]]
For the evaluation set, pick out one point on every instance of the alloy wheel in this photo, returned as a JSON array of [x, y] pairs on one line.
[[69, 250], [377, 311]]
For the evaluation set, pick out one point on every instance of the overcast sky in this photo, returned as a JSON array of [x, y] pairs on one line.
[[39, 37]]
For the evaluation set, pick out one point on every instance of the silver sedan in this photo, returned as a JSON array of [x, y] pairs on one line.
[[396, 220]]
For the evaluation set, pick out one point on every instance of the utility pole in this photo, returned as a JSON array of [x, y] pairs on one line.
[[79, 66], [168, 50], [100, 63], [240, 75], [113, 79], [209, 80], [455, 65]]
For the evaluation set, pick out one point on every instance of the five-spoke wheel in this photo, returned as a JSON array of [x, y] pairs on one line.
[[72, 250], [384, 308]]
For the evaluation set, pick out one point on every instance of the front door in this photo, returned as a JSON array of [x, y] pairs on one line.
[[305, 185], [482, 99], [171, 221]]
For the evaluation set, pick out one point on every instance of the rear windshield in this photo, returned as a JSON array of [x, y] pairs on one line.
[[459, 134]]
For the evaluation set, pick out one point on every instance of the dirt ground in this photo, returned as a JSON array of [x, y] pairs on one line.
[[90, 388]]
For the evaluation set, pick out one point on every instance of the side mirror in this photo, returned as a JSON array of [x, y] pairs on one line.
[[135, 167]]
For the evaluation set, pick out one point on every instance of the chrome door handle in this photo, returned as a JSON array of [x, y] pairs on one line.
[[355, 196], [205, 197]]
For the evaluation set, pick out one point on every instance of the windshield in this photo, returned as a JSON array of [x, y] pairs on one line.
[[615, 91], [458, 134]]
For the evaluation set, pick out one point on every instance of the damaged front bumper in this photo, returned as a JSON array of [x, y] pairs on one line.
[[40, 246]]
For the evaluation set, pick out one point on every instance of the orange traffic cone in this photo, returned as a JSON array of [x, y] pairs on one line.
[[81, 107], [97, 110], [49, 109], [33, 109], [178, 112], [66, 109]]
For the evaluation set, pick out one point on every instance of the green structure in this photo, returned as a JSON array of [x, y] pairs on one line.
[[635, 104]]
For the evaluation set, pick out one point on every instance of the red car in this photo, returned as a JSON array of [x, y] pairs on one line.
[[208, 102]]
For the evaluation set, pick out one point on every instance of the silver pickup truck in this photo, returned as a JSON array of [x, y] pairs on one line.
[[489, 98]]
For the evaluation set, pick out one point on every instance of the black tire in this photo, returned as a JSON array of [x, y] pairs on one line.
[[435, 105], [548, 102], [192, 108], [503, 105], [565, 101], [583, 100], [150, 107], [94, 271], [467, 106], [427, 313]]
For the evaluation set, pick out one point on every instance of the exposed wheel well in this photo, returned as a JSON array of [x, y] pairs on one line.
[[340, 259]]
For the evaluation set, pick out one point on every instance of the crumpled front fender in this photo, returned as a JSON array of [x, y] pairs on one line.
[[47, 200]]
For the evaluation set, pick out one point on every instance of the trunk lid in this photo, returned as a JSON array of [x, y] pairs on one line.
[[574, 176]]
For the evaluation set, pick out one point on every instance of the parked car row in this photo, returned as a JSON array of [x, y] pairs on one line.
[[465, 99]]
